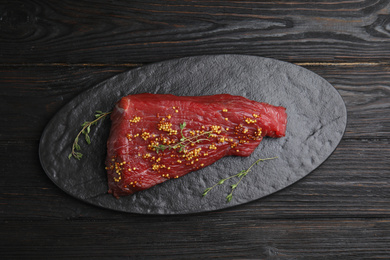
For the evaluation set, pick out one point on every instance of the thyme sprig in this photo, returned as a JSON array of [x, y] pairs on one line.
[[85, 130], [240, 175], [184, 141]]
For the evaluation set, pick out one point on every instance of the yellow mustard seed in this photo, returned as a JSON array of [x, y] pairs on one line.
[[135, 119]]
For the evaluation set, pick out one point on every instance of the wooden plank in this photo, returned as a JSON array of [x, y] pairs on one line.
[[148, 31], [346, 185], [31, 96], [51, 51], [366, 93], [199, 236]]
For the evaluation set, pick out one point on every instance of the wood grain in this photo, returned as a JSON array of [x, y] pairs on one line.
[[366, 93], [252, 238], [149, 31], [50, 51], [32, 95], [336, 189]]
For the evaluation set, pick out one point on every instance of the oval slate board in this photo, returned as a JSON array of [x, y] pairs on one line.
[[316, 123]]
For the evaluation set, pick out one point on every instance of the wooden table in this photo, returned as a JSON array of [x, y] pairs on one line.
[[50, 51]]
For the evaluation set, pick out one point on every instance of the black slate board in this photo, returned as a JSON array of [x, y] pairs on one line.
[[316, 123]]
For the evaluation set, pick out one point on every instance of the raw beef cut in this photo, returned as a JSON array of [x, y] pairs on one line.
[[157, 137]]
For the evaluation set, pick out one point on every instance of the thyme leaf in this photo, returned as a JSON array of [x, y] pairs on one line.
[[85, 130], [184, 141], [240, 175]]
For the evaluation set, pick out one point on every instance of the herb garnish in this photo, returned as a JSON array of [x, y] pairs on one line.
[[184, 141], [241, 175], [85, 130]]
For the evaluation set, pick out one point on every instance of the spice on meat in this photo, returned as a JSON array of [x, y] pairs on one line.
[[157, 137]]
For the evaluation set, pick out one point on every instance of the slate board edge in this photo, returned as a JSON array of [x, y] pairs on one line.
[[65, 107]]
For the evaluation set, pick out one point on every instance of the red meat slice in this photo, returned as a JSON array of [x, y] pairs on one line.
[[157, 137]]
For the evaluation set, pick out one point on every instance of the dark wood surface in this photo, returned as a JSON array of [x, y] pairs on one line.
[[50, 51]]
